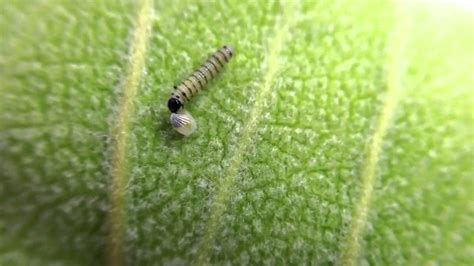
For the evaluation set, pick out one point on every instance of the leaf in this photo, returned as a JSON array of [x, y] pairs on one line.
[[341, 133]]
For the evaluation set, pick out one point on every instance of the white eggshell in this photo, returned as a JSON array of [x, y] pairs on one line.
[[183, 122]]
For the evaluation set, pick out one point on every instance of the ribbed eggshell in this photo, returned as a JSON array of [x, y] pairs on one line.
[[183, 122]]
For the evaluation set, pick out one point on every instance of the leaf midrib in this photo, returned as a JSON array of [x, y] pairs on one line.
[[395, 72], [121, 129], [222, 196]]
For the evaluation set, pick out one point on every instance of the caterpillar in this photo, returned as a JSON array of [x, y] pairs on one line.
[[182, 121], [200, 78]]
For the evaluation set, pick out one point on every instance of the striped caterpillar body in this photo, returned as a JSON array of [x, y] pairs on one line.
[[196, 82]]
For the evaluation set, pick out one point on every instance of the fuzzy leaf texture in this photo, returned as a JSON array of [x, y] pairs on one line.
[[341, 133]]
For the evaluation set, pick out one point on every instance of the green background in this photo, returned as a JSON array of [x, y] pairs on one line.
[[275, 173]]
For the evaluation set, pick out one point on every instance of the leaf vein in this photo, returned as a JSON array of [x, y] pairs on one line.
[[121, 130], [395, 71], [224, 192]]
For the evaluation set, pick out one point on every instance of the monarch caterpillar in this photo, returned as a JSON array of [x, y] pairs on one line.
[[182, 121]]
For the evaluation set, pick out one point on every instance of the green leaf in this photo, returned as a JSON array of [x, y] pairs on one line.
[[341, 133]]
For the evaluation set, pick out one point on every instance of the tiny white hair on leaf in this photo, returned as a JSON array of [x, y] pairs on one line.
[[183, 122]]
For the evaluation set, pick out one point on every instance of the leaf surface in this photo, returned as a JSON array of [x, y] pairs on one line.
[[341, 132]]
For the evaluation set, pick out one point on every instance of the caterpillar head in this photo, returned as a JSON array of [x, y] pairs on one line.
[[174, 104], [183, 122]]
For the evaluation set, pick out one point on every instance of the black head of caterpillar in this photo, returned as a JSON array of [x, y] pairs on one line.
[[174, 103], [196, 82]]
